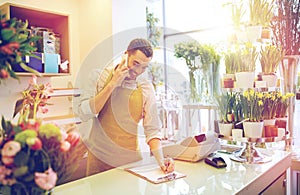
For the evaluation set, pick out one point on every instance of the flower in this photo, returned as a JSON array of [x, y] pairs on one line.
[[32, 159], [16, 42], [283, 104], [270, 100], [252, 105], [35, 156], [34, 97]]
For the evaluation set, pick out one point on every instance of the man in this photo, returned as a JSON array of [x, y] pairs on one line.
[[116, 101]]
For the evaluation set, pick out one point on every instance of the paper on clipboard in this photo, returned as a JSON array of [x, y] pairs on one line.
[[154, 174]]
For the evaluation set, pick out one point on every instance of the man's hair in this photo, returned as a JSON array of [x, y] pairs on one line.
[[140, 44]]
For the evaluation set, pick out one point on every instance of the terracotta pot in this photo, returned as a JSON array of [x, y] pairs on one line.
[[271, 131], [266, 33], [228, 83], [281, 122]]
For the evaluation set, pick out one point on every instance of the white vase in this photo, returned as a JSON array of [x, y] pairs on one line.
[[245, 79], [225, 129], [271, 79], [253, 129]]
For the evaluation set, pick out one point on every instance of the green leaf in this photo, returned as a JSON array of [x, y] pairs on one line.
[[21, 159], [7, 34], [5, 189], [28, 69], [18, 107]]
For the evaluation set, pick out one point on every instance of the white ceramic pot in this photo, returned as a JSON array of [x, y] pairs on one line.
[[225, 129], [253, 129], [245, 79], [271, 79], [269, 122], [253, 33]]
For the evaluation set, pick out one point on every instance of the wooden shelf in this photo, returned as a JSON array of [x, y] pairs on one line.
[[46, 19], [62, 120], [65, 92]]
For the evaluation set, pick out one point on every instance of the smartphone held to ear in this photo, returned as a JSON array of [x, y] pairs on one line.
[[125, 57]]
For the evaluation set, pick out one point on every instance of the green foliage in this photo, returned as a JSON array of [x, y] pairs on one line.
[[233, 59], [225, 103], [249, 57], [261, 12], [270, 57], [153, 32]]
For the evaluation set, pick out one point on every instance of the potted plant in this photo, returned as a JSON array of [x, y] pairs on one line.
[[270, 58], [245, 74], [232, 60], [252, 107], [261, 13], [225, 103]]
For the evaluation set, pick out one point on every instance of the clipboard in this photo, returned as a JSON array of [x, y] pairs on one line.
[[154, 174]]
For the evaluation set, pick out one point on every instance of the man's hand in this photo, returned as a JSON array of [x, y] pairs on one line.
[[120, 73], [167, 165]]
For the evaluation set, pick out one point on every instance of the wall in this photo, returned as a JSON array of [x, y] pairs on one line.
[[91, 22]]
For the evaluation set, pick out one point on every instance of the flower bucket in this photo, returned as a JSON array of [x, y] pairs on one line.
[[253, 129], [225, 129], [245, 79], [271, 79]]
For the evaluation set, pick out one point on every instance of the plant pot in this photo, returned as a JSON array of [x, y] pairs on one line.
[[281, 122], [245, 79], [266, 33], [271, 79], [228, 83], [253, 33], [269, 122], [271, 131], [260, 84], [225, 129], [253, 129]]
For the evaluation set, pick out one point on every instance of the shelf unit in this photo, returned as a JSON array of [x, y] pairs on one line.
[[46, 19]]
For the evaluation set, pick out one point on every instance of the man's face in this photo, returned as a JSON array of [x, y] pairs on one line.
[[137, 63]]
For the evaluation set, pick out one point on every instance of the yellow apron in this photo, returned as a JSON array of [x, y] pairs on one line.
[[113, 140], [120, 116]]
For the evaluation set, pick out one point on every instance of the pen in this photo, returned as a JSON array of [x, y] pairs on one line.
[[168, 177]]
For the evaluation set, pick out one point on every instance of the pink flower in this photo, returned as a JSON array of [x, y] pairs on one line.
[[10, 149], [4, 172], [33, 80], [46, 180], [65, 146]]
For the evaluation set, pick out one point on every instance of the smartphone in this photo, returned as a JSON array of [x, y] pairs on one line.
[[125, 56]]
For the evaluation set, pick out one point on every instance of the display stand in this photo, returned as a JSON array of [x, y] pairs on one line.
[[249, 153]]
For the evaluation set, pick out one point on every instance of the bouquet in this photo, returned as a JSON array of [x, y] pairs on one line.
[[34, 156], [16, 42]]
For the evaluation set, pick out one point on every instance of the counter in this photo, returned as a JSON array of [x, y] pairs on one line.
[[236, 178]]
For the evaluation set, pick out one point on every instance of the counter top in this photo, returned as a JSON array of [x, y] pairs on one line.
[[236, 178]]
